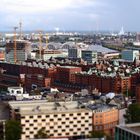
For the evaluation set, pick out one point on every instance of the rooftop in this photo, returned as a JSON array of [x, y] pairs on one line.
[[45, 107], [132, 128]]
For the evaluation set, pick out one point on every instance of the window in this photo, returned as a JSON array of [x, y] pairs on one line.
[[35, 120], [59, 134], [27, 121], [43, 120], [55, 115], [47, 116], [63, 115], [31, 117], [39, 116]]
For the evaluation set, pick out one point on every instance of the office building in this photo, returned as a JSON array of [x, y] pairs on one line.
[[59, 119], [128, 132], [130, 55], [74, 53], [89, 56]]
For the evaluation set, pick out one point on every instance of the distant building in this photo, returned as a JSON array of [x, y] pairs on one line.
[[138, 37], [128, 132], [23, 51], [74, 53], [47, 54], [130, 55], [59, 119], [89, 56]]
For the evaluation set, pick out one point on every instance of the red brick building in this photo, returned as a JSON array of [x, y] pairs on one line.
[[65, 73]]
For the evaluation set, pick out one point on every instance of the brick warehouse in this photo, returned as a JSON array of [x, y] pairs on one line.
[[65, 78]]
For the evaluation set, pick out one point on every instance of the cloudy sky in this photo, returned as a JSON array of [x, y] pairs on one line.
[[71, 14]]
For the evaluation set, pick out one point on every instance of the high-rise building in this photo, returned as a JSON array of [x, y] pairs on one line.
[[20, 53]]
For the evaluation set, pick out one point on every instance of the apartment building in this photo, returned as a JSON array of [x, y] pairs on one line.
[[105, 118], [59, 119]]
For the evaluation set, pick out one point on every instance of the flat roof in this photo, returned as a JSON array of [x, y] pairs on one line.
[[132, 128], [39, 107]]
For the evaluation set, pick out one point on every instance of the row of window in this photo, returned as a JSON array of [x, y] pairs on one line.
[[59, 134], [55, 115]]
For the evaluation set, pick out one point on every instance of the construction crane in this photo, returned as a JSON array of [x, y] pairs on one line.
[[15, 45], [20, 29], [40, 44], [47, 41]]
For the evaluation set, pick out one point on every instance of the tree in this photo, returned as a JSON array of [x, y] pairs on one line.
[[13, 130], [133, 113], [97, 134], [41, 134]]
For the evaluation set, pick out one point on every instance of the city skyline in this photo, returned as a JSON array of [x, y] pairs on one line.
[[79, 15]]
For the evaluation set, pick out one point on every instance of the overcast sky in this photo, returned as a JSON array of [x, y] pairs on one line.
[[71, 14]]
